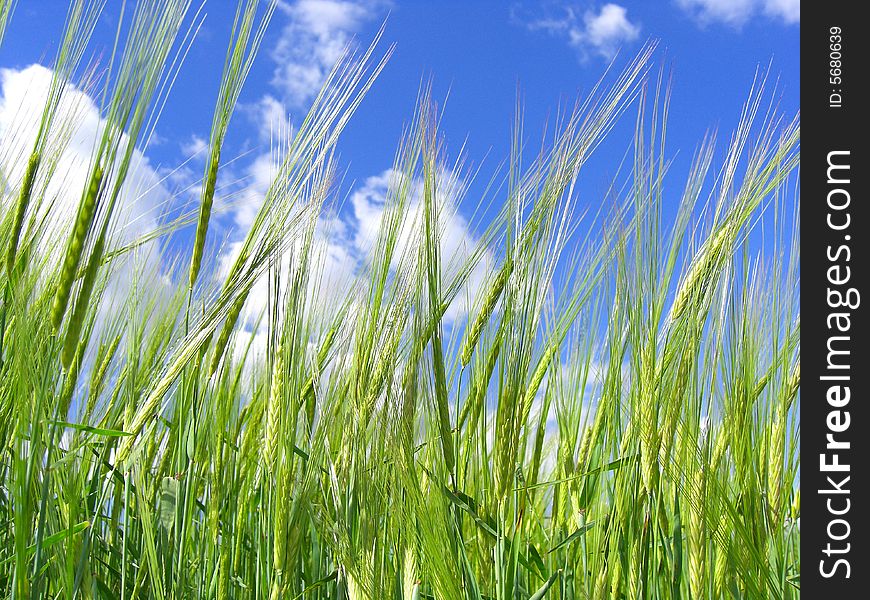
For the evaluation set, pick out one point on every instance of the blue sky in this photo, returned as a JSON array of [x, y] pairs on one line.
[[481, 52]]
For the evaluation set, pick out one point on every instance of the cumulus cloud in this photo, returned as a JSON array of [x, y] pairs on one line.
[[787, 10], [737, 12], [600, 32], [312, 40], [271, 118], [606, 30], [23, 93], [195, 146], [142, 199]]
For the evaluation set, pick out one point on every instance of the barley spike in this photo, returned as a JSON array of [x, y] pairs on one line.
[[21, 209], [75, 247]]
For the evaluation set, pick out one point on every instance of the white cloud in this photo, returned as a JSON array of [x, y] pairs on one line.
[[737, 12], [607, 30], [194, 147], [787, 10], [141, 273], [600, 32], [316, 33], [272, 118], [143, 196], [259, 175], [23, 93], [734, 12]]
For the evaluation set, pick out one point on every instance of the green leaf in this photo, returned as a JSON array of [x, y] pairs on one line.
[[488, 527], [542, 591], [535, 559], [52, 540], [104, 590], [168, 502], [611, 466], [92, 430], [317, 584], [573, 537]]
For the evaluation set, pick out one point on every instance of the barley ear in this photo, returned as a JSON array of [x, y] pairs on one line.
[[702, 269], [478, 388], [538, 378], [273, 413], [75, 246], [224, 573], [793, 385], [279, 550], [76, 322], [21, 210], [227, 330], [476, 327], [775, 459], [697, 532], [204, 216]]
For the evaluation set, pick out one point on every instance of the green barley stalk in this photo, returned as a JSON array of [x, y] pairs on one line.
[[431, 248], [308, 396], [720, 569], [98, 378]]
